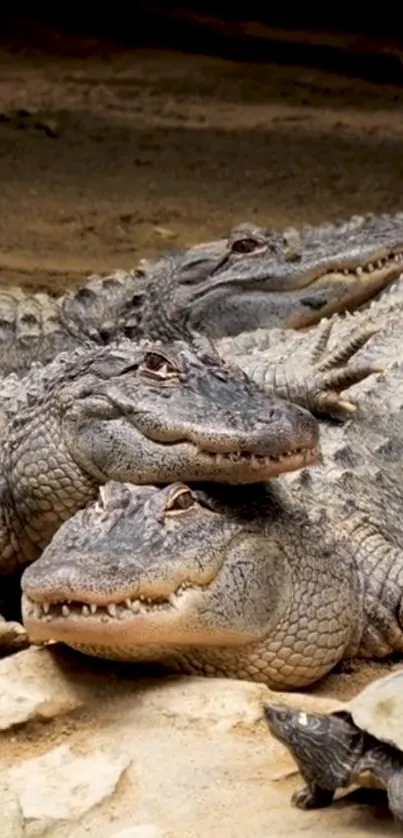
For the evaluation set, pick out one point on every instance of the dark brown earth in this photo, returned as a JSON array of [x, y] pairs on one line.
[[119, 154]]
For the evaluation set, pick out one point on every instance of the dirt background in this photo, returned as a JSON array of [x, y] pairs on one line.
[[108, 155]]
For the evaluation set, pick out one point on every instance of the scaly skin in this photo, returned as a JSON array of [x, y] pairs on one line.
[[218, 582], [148, 413], [252, 278], [321, 268], [37, 327], [277, 584], [100, 414]]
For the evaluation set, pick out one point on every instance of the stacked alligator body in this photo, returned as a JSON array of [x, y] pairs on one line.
[[285, 587], [276, 583]]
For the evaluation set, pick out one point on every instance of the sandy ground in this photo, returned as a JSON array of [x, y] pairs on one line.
[[112, 157]]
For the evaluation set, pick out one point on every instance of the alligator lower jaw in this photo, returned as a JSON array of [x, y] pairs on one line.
[[242, 467], [128, 623]]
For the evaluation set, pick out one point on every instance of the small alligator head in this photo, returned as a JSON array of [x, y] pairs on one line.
[[178, 284]]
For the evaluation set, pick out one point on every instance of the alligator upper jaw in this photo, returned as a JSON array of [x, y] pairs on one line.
[[380, 265], [127, 624]]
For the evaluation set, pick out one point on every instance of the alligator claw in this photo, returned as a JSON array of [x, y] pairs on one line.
[[330, 373], [338, 357], [319, 386]]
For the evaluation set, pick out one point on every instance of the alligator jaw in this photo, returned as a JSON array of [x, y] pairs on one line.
[[383, 263], [366, 283], [256, 468], [126, 624]]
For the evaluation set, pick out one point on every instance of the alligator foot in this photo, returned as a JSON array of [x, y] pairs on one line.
[[330, 372], [318, 385]]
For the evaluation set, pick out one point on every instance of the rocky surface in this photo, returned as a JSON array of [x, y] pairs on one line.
[[89, 749]]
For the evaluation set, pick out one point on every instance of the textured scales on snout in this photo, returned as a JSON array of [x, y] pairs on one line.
[[361, 742]]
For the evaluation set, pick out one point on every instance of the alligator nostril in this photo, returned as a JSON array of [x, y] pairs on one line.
[[270, 415]]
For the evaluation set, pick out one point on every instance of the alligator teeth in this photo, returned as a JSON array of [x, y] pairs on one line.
[[371, 266], [49, 611]]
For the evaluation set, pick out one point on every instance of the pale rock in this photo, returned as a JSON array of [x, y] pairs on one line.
[[223, 703], [33, 687], [12, 819], [195, 699], [62, 786]]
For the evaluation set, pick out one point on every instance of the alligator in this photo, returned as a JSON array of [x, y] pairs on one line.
[[252, 278], [277, 583], [153, 412], [147, 413]]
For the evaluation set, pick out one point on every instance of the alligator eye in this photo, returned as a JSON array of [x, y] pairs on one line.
[[245, 245], [158, 366], [179, 501]]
